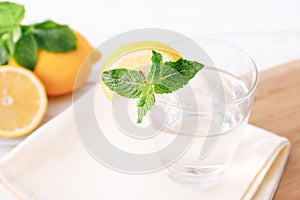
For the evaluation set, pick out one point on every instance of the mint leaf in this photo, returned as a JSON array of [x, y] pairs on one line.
[[156, 58], [146, 102], [160, 89], [26, 50], [54, 37], [164, 78], [11, 15], [186, 68], [171, 76], [4, 55], [155, 68], [181, 72], [125, 82]]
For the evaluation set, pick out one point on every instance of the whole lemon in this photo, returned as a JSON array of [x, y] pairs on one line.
[[58, 71]]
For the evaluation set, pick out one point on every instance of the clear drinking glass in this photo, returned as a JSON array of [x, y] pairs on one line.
[[213, 108]]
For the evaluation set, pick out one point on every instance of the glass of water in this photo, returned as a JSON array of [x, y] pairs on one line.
[[213, 110]]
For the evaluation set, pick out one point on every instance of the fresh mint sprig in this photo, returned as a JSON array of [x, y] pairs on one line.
[[23, 41], [164, 77]]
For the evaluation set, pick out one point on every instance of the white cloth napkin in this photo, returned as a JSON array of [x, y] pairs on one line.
[[51, 164]]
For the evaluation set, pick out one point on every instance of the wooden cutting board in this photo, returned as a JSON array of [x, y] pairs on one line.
[[277, 109]]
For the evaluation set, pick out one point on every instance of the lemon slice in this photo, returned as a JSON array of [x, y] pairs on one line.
[[23, 101], [136, 55]]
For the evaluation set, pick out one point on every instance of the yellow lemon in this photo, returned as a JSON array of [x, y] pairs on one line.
[[23, 101]]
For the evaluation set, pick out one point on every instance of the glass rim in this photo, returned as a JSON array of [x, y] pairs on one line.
[[233, 103]]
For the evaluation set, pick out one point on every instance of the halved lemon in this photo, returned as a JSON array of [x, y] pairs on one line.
[[136, 55], [23, 101]]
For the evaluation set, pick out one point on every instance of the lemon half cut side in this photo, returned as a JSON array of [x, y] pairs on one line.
[[23, 101]]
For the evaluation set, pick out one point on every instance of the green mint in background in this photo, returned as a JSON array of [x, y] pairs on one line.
[[26, 50], [54, 37], [164, 77], [23, 41]]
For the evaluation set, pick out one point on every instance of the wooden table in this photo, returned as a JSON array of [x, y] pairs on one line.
[[277, 109]]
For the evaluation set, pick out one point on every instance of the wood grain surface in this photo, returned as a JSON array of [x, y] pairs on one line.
[[277, 109]]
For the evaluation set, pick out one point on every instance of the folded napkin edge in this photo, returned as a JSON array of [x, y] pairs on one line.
[[281, 154]]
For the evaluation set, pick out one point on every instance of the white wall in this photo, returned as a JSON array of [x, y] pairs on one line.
[[267, 29]]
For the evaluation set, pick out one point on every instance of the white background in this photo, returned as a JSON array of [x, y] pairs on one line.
[[269, 30]]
